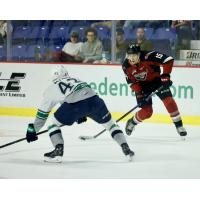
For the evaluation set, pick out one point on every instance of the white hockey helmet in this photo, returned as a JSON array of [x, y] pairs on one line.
[[59, 72]]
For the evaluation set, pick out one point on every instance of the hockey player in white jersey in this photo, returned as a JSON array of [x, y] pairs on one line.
[[77, 102]]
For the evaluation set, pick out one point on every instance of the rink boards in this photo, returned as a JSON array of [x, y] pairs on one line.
[[22, 86]]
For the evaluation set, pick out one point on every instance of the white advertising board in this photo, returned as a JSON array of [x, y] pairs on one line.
[[22, 85]]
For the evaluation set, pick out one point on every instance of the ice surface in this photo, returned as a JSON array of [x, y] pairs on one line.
[[159, 153]]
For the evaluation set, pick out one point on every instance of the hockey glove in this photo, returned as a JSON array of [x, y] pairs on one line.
[[141, 99], [165, 79], [31, 133], [81, 120]]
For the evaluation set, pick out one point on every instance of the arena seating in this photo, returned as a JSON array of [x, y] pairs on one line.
[[103, 32], [164, 33], [32, 51], [59, 33], [18, 52], [162, 46], [53, 34]]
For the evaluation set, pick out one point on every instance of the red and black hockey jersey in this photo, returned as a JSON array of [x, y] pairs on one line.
[[148, 69]]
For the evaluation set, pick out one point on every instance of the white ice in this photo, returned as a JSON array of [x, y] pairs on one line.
[[160, 153]]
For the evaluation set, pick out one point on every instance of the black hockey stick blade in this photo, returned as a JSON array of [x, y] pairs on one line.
[[91, 137], [95, 136], [86, 137]]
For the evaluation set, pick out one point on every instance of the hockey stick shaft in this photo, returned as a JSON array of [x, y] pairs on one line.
[[22, 139], [95, 136], [123, 116]]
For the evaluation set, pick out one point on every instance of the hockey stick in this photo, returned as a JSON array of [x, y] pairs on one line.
[[22, 139], [95, 136], [86, 137]]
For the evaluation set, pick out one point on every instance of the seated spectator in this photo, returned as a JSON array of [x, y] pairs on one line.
[[145, 45], [184, 34], [121, 45], [3, 28], [71, 50], [3, 31], [91, 50]]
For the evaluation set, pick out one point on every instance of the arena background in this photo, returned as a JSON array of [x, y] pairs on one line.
[[33, 47], [88, 189], [25, 94]]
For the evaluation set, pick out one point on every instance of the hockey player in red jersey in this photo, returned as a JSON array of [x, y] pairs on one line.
[[143, 73]]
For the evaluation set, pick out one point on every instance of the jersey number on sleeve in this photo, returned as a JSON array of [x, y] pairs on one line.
[[159, 55]]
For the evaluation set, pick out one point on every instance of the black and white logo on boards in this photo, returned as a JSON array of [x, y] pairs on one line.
[[10, 86]]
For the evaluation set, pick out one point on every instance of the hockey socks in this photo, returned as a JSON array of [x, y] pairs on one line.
[[141, 115], [172, 108], [115, 131], [118, 136], [55, 135]]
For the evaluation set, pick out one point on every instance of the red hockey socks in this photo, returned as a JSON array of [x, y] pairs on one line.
[[172, 109], [143, 114]]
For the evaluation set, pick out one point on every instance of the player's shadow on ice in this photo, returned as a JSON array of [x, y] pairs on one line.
[[40, 162], [19, 151], [158, 139]]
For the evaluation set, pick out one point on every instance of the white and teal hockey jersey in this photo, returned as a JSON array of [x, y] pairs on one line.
[[70, 90]]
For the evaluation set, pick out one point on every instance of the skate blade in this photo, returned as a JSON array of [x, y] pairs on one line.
[[183, 138], [57, 159], [130, 158]]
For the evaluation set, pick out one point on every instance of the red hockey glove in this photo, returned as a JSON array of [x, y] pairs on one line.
[[165, 79]]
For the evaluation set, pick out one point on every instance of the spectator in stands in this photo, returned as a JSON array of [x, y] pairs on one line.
[[71, 50], [121, 45], [3, 31], [91, 50], [145, 45], [3, 28], [184, 33]]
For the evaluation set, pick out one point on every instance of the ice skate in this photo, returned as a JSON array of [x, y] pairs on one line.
[[130, 126], [54, 156], [127, 151], [182, 132]]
